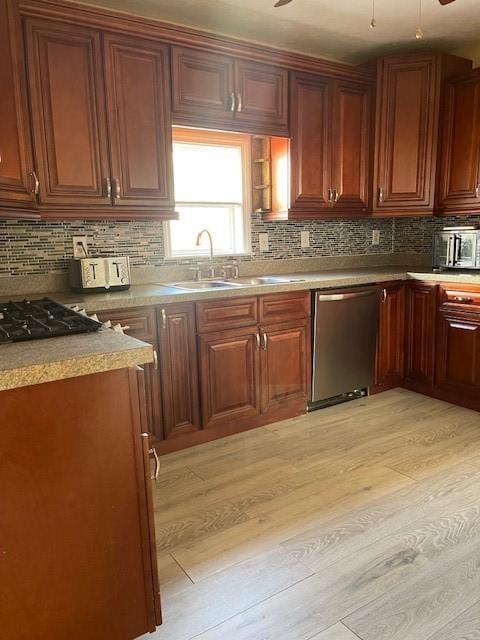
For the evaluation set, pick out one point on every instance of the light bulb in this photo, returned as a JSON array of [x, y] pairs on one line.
[[419, 33], [373, 23]]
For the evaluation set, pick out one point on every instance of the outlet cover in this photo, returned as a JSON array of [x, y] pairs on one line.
[[80, 246], [376, 237], [304, 239], [263, 242]]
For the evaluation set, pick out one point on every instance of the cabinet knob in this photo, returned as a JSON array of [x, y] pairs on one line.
[[164, 319], [257, 339], [384, 295], [108, 188], [232, 102], [117, 193], [36, 183], [380, 195], [239, 103], [477, 191], [155, 360], [156, 470], [265, 341]]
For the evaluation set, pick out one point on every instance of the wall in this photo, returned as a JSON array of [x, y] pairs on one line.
[[471, 51], [43, 247]]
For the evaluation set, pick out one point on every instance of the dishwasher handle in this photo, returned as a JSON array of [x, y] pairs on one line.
[[331, 297]]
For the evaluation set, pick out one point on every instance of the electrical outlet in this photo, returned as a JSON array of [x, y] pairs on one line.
[[376, 237], [80, 246], [263, 241], [304, 239]]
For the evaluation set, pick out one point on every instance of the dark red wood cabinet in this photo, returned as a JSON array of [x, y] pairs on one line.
[[78, 545], [330, 147], [391, 337], [210, 89], [407, 119], [100, 110], [459, 178], [17, 179], [421, 313]]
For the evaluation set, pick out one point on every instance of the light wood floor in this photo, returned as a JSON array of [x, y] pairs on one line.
[[358, 521]]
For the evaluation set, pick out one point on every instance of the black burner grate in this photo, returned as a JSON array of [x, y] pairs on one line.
[[45, 318]]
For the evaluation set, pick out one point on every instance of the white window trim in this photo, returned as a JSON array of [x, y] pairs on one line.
[[219, 138]]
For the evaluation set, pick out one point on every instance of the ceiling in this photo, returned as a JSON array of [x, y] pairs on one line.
[[336, 29]]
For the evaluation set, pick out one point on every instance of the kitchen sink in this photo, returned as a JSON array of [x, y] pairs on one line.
[[203, 285], [267, 280]]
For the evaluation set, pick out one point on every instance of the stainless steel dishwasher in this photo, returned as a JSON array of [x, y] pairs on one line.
[[344, 342]]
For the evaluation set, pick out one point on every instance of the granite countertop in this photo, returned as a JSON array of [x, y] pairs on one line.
[[154, 294], [36, 361]]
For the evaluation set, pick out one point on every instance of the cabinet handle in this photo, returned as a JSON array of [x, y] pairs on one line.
[[156, 470], [265, 341], [155, 360], [164, 319], [239, 103], [380, 195], [477, 191], [463, 300], [116, 183], [36, 183], [108, 188], [232, 101], [384, 295], [336, 195], [330, 196], [257, 339]]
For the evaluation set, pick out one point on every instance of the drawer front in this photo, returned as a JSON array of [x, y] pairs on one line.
[[216, 315], [141, 322], [463, 297], [278, 307]]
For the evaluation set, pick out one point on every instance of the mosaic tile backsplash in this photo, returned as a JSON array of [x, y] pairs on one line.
[[44, 247]]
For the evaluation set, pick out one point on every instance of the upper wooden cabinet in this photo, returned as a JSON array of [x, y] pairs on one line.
[[330, 126], [212, 90], [407, 113], [100, 121], [459, 178], [17, 181]]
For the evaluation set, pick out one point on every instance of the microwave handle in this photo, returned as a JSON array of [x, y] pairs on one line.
[[456, 249], [449, 251]]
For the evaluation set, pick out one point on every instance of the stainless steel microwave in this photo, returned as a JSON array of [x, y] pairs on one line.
[[457, 248]]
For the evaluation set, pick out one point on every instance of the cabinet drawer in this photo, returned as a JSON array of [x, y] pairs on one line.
[[277, 307], [466, 297], [141, 322], [215, 315]]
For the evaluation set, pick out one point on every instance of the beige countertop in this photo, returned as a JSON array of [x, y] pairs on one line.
[[36, 361], [155, 294]]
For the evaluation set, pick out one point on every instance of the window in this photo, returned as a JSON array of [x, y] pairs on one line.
[[212, 187]]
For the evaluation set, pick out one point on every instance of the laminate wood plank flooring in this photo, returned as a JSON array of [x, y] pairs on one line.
[[356, 522]]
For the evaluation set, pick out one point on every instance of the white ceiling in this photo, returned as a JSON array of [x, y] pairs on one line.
[[337, 29]]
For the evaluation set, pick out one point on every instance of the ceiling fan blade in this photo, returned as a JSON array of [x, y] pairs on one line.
[[281, 3], [446, 1]]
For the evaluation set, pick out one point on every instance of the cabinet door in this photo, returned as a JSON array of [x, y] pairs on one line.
[[202, 88], [420, 333], [16, 185], [68, 113], [459, 184], [407, 112], [311, 142], [261, 98], [178, 368], [458, 353], [351, 145], [229, 376], [285, 364], [138, 98], [391, 336]]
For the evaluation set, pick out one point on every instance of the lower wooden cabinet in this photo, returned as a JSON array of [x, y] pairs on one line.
[[78, 546], [421, 314], [458, 353], [178, 368], [229, 376], [285, 364], [391, 337]]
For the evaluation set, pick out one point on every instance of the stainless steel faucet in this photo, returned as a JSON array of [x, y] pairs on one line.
[[198, 242]]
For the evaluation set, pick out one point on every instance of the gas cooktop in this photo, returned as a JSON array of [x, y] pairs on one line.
[[45, 318]]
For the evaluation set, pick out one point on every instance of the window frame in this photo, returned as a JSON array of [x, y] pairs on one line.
[[216, 138]]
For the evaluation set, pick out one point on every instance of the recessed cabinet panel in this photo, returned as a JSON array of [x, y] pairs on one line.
[[68, 113], [420, 326], [407, 113], [139, 122], [202, 87], [391, 335], [459, 184], [311, 142], [16, 185], [262, 96], [229, 365], [458, 356], [351, 146]]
